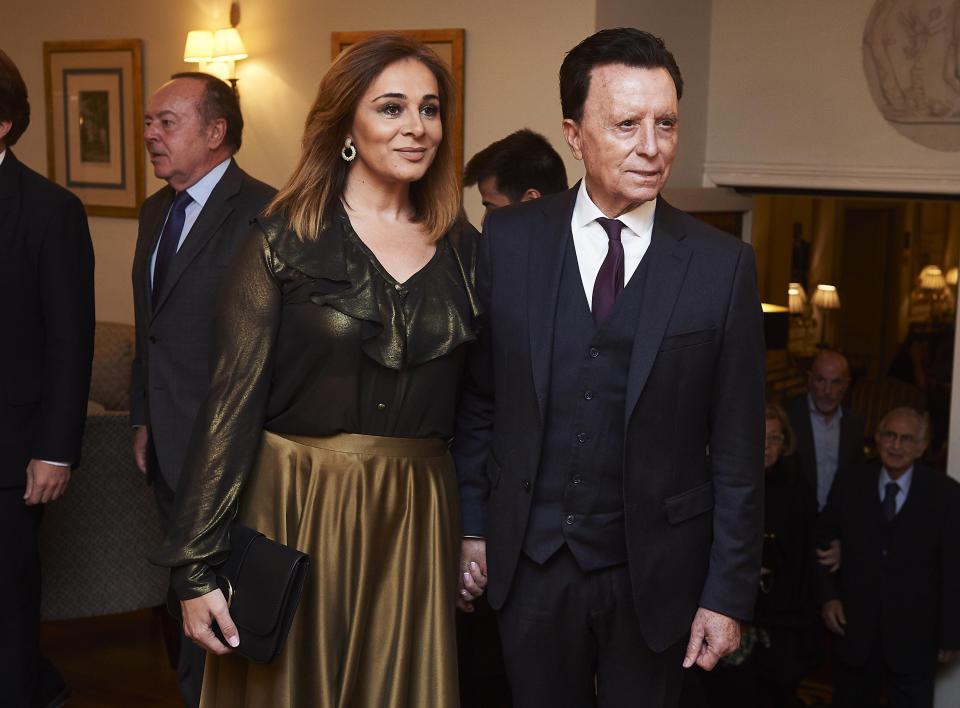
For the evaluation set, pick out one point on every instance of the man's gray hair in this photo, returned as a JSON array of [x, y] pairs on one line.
[[907, 411]]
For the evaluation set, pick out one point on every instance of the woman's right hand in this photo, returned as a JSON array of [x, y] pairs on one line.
[[200, 613]]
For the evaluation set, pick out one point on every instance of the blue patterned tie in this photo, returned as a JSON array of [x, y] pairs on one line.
[[169, 240], [609, 280]]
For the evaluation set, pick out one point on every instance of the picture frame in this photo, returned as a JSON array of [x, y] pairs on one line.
[[448, 44], [94, 92]]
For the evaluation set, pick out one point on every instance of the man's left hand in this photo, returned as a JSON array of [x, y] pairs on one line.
[[45, 482], [712, 636]]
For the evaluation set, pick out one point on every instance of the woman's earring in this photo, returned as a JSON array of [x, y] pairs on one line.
[[349, 150]]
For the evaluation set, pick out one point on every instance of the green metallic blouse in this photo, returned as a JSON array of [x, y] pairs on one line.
[[316, 338]]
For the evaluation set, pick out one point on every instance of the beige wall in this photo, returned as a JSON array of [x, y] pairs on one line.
[[790, 105], [513, 51]]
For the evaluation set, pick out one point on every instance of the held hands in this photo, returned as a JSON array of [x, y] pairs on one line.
[[833, 617], [473, 572], [200, 613], [830, 557], [140, 447], [45, 482], [712, 637]]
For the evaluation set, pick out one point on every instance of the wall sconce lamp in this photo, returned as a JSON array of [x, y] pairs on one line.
[[219, 51], [825, 298], [951, 276]]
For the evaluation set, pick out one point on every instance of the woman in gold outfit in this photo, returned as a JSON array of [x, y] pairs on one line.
[[340, 340]]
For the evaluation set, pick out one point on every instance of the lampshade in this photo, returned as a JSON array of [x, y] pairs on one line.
[[227, 45], [199, 46], [826, 297], [796, 298], [951, 276], [931, 278]]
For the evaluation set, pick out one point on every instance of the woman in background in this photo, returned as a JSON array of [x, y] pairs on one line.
[[780, 644], [339, 347]]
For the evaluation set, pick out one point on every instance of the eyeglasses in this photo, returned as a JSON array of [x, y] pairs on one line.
[[890, 437], [774, 439]]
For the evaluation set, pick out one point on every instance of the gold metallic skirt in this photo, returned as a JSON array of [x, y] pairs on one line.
[[375, 625]]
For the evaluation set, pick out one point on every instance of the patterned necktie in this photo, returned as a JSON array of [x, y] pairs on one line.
[[169, 240], [890, 501], [609, 280]]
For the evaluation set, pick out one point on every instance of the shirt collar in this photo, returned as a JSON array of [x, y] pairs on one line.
[[903, 481], [3, 154], [813, 409], [638, 220], [200, 190]]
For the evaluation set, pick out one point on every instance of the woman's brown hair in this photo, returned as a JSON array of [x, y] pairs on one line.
[[311, 194], [775, 412]]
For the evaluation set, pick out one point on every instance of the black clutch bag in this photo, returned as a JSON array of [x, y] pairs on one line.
[[262, 581]]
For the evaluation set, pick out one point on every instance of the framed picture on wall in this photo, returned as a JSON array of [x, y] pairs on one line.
[[94, 96], [448, 44]]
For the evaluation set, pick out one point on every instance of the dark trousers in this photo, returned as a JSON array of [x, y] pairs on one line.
[[26, 678], [860, 686], [191, 657], [572, 639]]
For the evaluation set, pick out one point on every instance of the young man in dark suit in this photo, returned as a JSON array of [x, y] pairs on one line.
[[189, 231], [893, 603], [47, 320], [514, 169], [610, 443]]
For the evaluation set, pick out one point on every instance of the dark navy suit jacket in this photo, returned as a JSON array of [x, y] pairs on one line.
[[47, 320], [695, 386]]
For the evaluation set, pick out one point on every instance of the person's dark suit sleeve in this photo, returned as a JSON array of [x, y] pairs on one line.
[[475, 414], [828, 528], [66, 273], [138, 376], [736, 451]]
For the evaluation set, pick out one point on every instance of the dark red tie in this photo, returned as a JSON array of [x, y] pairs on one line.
[[169, 239], [609, 280]]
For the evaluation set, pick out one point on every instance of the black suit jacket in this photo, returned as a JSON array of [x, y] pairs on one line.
[[696, 379], [171, 369], [850, 453], [47, 320], [907, 596]]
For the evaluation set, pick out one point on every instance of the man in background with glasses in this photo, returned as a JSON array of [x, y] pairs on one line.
[[893, 603]]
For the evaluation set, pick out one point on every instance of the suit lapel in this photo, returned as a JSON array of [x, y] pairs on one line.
[[667, 259], [217, 208], [546, 248]]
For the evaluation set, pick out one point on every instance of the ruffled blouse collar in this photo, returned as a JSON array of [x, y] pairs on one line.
[[402, 324]]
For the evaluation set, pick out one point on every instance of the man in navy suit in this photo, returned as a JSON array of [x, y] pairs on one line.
[[46, 316], [893, 604], [610, 443]]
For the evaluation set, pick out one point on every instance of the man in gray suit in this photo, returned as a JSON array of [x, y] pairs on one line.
[[188, 233]]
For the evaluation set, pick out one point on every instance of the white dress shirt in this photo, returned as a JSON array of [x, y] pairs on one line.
[[199, 191], [591, 241], [903, 481]]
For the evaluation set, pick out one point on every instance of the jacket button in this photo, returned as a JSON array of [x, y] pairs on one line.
[[588, 395], [581, 438], [594, 352], [576, 480], [153, 340], [569, 519], [525, 484], [381, 406]]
